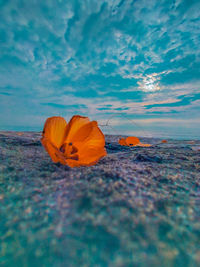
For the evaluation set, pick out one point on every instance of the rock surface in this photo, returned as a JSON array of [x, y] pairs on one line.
[[137, 207]]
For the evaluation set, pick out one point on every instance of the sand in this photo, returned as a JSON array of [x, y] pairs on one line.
[[136, 207]]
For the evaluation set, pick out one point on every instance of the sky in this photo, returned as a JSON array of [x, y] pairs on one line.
[[135, 63]]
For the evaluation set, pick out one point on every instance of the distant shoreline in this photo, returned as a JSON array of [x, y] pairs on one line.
[[173, 138]]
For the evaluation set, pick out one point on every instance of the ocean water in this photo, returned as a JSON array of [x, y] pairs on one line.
[[136, 207]]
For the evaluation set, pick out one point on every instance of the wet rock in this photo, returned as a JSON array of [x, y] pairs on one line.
[[136, 207], [161, 179], [147, 158], [115, 147]]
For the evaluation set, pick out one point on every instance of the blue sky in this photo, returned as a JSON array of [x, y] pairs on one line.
[[100, 58]]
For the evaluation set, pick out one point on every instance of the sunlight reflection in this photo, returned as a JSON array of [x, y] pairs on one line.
[[150, 83]]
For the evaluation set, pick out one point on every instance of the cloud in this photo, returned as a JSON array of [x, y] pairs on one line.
[[141, 58]]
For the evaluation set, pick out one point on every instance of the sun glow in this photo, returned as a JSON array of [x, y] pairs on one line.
[[150, 83]]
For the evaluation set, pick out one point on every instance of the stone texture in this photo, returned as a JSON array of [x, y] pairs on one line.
[[136, 207]]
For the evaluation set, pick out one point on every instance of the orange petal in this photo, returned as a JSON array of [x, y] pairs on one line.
[[53, 151], [92, 149], [143, 145], [164, 141], [83, 132], [132, 140], [54, 130], [91, 157], [95, 138], [74, 125]]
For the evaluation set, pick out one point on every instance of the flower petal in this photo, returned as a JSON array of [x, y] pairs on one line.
[[132, 141], [74, 125], [53, 151], [89, 158], [92, 149], [95, 138], [143, 145], [83, 132], [54, 130]]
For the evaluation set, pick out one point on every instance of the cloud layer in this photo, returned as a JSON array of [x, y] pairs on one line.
[[99, 58]]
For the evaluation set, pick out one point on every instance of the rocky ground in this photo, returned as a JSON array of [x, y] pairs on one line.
[[136, 207]]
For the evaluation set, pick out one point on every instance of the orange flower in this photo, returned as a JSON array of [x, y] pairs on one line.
[[164, 141], [132, 141], [78, 143]]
